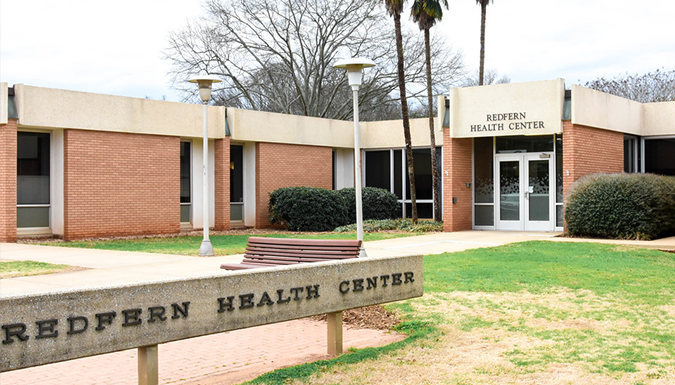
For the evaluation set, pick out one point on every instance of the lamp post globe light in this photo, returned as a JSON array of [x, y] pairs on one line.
[[205, 82], [354, 67]]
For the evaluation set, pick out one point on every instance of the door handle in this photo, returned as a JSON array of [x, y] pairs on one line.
[[527, 195]]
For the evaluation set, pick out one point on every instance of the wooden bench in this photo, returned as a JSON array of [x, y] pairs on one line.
[[268, 252]]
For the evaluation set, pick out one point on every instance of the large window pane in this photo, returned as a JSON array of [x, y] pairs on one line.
[[485, 215], [236, 173], [236, 212], [185, 156], [398, 173], [424, 210], [558, 169], [518, 144], [185, 213], [378, 170], [538, 185], [32, 168], [423, 180], [509, 191], [484, 175], [32, 217], [660, 156]]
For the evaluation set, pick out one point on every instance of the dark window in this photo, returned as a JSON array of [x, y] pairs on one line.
[[236, 174], [631, 154], [484, 174], [32, 168], [660, 156], [423, 186], [518, 144], [185, 152], [378, 168], [398, 173], [32, 184]]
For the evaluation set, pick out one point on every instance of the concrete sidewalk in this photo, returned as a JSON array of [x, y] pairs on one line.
[[223, 358]]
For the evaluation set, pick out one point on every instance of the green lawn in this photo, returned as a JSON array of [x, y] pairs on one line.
[[222, 244], [11, 269], [531, 312]]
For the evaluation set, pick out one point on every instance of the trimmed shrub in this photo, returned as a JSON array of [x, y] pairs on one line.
[[400, 224], [307, 208], [377, 204], [627, 206]]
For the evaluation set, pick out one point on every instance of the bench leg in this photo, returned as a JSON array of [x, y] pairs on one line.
[[334, 333], [148, 365]]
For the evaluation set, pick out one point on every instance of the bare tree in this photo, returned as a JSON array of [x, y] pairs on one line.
[[491, 76], [278, 56], [657, 86]]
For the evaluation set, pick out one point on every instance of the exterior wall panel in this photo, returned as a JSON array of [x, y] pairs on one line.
[[457, 173], [8, 145], [222, 184], [120, 184], [588, 150], [286, 165]]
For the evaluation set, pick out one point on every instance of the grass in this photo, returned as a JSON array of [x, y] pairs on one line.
[[531, 312], [222, 244], [12, 269]]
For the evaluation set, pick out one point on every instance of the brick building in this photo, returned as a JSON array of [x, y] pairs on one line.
[[77, 165]]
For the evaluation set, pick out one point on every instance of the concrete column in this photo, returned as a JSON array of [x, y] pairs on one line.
[[334, 321], [148, 365]]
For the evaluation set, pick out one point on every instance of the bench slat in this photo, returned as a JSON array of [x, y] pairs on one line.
[[273, 251], [300, 241], [267, 252], [302, 247]]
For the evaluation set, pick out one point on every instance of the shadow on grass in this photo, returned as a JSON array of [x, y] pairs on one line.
[[415, 330]]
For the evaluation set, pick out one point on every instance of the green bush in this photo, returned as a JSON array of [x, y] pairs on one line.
[[377, 204], [307, 208], [628, 206], [400, 224]]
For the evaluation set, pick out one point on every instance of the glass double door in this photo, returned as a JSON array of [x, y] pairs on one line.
[[524, 192]]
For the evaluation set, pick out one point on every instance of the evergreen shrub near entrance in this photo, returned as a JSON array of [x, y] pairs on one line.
[[317, 209], [627, 206], [377, 204], [307, 208]]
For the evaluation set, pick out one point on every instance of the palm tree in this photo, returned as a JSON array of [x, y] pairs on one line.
[[425, 13], [483, 8], [394, 8]]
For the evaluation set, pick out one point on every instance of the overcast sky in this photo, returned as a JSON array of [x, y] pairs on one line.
[[116, 47]]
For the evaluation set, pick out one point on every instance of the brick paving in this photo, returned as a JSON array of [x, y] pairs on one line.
[[225, 358]]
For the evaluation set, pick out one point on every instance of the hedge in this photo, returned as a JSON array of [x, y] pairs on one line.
[[624, 206], [317, 209], [377, 204], [307, 208]]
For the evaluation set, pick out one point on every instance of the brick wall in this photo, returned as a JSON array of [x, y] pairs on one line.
[[120, 184], [222, 184], [589, 150], [287, 165], [457, 164], [8, 143]]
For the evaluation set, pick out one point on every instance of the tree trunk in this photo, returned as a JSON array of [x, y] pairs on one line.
[[481, 69], [432, 134], [404, 113]]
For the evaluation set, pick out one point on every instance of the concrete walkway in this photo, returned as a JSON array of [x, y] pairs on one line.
[[223, 358]]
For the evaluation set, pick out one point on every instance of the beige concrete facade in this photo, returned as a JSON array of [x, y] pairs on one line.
[[533, 108], [51, 108], [597, 109]]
